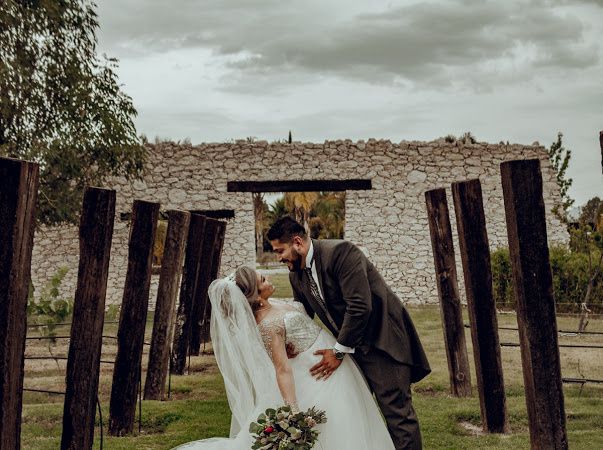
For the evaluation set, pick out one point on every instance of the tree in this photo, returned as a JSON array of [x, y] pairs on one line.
[[276, 211], [61, 105], [260, 208], [587, 238], [590, 214], [560, 158], [300, 204], [330, 208]]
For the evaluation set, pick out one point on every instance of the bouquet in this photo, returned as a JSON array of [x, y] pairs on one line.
[[281, 428]]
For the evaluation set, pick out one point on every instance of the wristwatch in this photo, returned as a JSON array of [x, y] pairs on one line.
[[339, 355]]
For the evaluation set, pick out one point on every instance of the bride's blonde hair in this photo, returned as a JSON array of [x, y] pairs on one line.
[[246, 279]]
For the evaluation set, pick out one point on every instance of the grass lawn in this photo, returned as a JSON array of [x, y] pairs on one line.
[[198, 408], [282, 287]]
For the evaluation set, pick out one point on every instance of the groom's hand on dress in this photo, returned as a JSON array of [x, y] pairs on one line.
[[326, 366]]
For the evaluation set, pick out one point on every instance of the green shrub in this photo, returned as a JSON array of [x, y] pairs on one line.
[[570, 280], [502, 280], [112, 312], [50, 309]]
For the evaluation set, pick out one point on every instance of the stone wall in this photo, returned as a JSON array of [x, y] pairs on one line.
[[388, 222]]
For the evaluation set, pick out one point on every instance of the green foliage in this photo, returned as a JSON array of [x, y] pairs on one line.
[[112, 312], [502, 278], [329, 214], [467, 138], [300, 206], [276, 210], [591, 214], [560, 158], [586, 239], [50, 308], [260, 210], [61, 105], [326, 213], [571, 277]]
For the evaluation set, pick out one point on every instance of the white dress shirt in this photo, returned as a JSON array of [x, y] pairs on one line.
[[310, 263]]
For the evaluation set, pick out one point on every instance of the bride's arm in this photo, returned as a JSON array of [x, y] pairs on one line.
[[275, 344]]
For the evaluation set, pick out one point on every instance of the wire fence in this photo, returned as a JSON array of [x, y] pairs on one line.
[[569, 380], [102, 361], [564, 309], [563, 333]]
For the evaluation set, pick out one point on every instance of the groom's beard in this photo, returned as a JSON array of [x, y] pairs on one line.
[[296, 261]]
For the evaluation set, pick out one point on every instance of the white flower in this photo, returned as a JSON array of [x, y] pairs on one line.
[[296, 434]]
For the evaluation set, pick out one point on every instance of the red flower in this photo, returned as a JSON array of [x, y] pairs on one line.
[[268, 430]]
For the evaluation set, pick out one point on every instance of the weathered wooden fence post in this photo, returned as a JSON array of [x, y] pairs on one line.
[[183, 325], [204, 279], [83, 364], [18, 196], [475, 255], [215, 269], [132, 320], [163, 326], [533, 286], [448, 291]]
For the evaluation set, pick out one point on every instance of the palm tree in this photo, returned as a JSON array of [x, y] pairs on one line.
[[276, 211], [301, 203], [260, 209], [330, 207]]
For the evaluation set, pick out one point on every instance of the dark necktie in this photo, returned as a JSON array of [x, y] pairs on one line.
[[316, 294]]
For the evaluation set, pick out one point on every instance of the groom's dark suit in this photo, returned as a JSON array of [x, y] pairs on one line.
[[369, 317]]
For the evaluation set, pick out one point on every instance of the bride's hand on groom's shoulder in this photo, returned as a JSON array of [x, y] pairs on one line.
[[326, 366]]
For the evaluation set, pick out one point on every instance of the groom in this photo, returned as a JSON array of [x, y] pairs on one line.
[[335, 280]]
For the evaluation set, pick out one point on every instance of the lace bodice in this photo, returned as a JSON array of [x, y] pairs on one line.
[[293, 325]]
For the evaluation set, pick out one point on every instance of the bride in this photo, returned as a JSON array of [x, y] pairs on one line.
[[251, 335]]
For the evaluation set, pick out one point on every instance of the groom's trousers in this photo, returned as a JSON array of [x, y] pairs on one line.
[[390, 382]]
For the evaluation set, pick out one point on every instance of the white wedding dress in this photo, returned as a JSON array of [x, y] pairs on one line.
[[354, 421]]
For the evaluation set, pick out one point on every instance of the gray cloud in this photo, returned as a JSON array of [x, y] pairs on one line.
[[436, 44], [519, 70]]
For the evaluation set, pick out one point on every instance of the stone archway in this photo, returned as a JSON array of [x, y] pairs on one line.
[[384, 182]]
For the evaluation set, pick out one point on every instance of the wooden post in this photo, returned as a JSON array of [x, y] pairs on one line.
[[215, 270], [132, 320], [19, 182], [182, 330], [448, 292], [83, 363], [533, 286], [203, 280], [163, 326], [475, 255]]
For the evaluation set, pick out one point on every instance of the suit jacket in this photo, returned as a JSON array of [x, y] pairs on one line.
[[366, 311]]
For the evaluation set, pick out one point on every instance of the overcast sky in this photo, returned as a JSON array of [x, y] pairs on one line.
[[215, 70]]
